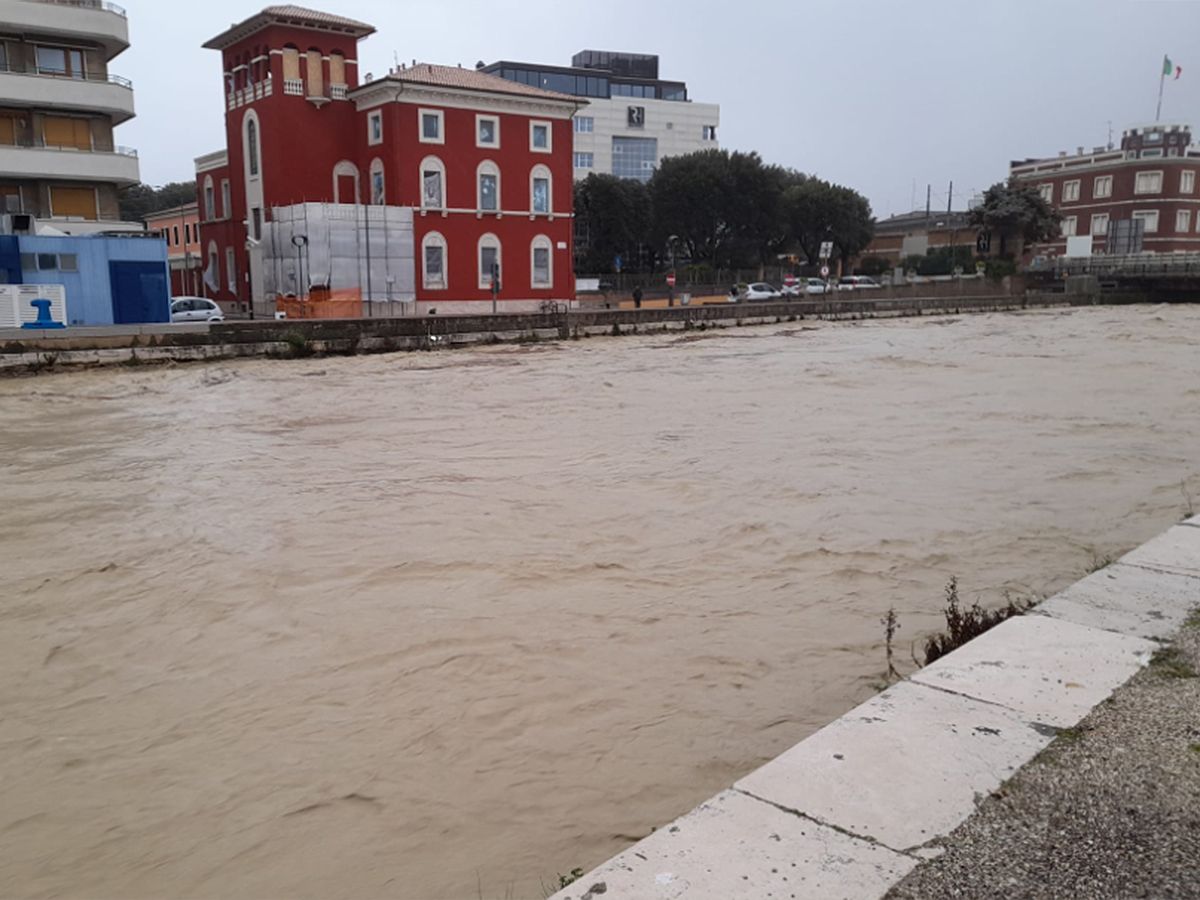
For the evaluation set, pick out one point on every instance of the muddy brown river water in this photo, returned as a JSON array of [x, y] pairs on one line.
[[443, 625]]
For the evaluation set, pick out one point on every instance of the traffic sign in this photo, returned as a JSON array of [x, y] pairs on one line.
[[671, 280], [789, 280], [826, 249], [824, 271], [983, 241]]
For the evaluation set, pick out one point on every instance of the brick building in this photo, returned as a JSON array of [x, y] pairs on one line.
[[1139, 198], [405, 189], [918, 233]]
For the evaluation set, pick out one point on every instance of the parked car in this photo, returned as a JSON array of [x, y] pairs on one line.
[[195, 309], [817, 286], [858, 283], [759, 290]]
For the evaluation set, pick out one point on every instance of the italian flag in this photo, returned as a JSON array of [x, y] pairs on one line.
[[1169, 67]]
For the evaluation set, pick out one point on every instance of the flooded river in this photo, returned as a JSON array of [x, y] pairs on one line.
[[444, 625]]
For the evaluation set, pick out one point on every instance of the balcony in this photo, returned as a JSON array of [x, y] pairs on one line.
[[111, 95], [81, 20], [52, 164]]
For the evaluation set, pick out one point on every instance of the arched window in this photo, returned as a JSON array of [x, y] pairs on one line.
[[345, 182], [210, 199], [489, 260], [212, 273], [251, 148], [541, 262], [488, 187], [315, 73], [433, 262], [337, 69], [433, 183], [539, 191], [292, 82], [378, 193]]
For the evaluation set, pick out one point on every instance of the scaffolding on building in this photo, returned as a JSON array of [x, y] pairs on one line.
[[333, 259]]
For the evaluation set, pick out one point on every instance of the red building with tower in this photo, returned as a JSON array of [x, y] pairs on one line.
[[408, 191]]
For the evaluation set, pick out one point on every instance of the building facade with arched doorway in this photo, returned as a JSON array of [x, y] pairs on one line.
[[480, 167]]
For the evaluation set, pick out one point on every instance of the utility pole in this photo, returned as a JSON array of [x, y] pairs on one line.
[[928, 202], [950, 222]]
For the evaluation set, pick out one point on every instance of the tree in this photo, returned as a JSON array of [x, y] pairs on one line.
[[612, 218], [722, 208], [1016, 210], [816, 211], [140, 200]]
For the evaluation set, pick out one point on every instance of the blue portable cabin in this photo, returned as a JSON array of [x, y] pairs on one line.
[[109, 280]]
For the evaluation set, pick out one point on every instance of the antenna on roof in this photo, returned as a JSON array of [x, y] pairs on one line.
[[396, 58]]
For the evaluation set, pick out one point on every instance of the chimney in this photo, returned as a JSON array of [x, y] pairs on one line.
[[1079, 151]]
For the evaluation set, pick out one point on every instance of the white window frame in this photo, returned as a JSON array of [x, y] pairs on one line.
[[1103, 217], [485, 278], [591, 157], [1183, 221], [374, 118], [1047, 191], [1070, 226], [435, 239], [346, 169], [1097, 192], [487, 167], [541, 242], [534, 124], [231, 270], [430, 163], [479, 142], [1137, 182], [708, 132], [441, 120], [1145, 215], [590, 127], [1070, 191], [540, 171], [377, 167], [1187, 181]]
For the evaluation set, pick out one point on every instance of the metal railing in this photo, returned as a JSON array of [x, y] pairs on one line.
[[35, 144], [102, 5], [1126, 264], [119, 80]]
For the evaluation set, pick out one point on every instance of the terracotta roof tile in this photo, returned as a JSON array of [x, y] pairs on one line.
[[471, 80], [291, 11]]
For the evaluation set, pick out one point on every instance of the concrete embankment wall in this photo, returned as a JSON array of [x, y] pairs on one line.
[[34, 349], [855, 807]]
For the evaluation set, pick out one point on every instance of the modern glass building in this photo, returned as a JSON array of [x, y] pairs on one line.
[[633, 119]]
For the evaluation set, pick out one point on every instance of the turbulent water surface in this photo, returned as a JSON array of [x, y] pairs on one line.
[[443, 625]]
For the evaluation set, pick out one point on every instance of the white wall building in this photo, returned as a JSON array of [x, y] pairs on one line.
[[633, 119]]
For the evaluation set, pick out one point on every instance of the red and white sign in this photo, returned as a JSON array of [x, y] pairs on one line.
[[671, 280], [790, 280], [824, 271]]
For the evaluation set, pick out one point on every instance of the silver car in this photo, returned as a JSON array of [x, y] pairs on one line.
[[195, 309]]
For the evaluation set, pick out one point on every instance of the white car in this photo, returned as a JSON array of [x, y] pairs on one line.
[[858, 283], [760, 290], [195, 309], [817, 286]]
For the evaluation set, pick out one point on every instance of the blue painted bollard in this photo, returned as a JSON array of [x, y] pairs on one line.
[[44, 319]]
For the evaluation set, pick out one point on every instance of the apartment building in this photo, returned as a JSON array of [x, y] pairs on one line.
[[179, 229], [634, 119], [1138, 198], [59, 107]]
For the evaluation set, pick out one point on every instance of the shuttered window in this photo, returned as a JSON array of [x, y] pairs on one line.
[[8, 130], [75, 202], [291, 64], [337, 68], [59, 131], [316, 76]]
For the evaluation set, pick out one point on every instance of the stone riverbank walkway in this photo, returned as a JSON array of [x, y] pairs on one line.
[[1056, 755]]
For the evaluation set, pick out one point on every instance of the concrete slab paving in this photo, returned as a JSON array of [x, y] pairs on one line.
[[903, 768], [1046, 669], [1176, 550], [734, 846], [1129, 600]]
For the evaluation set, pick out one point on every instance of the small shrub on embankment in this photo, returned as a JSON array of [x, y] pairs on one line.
[[964, 624]]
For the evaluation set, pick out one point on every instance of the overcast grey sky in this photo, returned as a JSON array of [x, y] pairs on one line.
[[874, 94]]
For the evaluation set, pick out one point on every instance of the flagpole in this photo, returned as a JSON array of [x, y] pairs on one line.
[[1162, 79]]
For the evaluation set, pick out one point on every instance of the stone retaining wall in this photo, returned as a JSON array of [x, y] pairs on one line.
[[34, 349]]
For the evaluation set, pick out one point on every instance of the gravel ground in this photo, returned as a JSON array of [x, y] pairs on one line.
[[1111, 809]]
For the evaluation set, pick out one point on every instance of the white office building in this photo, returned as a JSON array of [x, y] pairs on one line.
[[632, 120]]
